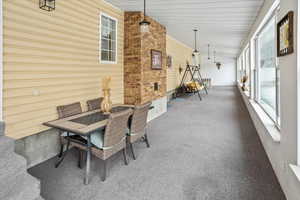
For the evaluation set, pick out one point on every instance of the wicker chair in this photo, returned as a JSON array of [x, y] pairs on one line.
[[63, 112], [94, 104], [114, 139], [137, 126]]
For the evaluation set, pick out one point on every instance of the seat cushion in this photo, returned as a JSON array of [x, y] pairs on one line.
[[97, 138], [65, 134]]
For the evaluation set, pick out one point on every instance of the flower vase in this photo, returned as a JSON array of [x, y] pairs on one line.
[[106, 104]]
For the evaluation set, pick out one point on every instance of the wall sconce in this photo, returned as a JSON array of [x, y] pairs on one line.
[[218, 64], [48, 5], [180, 69]]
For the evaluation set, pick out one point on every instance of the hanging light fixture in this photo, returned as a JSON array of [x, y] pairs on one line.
[[48, 5], [208, 51], [144, 25], [218, 64], [214, 56], [196, 50]]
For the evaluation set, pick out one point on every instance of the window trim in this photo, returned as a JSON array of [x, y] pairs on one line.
[[257, 58], [298, 88], [100, 38]]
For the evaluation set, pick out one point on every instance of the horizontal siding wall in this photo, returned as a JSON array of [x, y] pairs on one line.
[[180, 54], [52, 58]]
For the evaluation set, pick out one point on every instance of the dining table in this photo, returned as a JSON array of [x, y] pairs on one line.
[[84, 124]]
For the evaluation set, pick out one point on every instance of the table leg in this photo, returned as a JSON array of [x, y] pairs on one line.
[[88, 161], [65, 153]]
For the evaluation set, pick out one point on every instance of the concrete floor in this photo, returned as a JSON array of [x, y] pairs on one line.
[[205, 150]]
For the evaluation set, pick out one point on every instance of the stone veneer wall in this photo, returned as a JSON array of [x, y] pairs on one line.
[[139, 78]]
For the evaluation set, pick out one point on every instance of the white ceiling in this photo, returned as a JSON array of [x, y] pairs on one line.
[[221, 23]]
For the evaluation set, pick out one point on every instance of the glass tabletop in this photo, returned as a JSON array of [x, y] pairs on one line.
[[97, 117]]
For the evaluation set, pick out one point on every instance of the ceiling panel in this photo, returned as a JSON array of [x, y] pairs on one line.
[[221, 23]]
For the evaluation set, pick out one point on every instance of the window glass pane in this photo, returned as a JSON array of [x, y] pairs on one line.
[[113, 24], [110, 56], [104, 44], [106, 33], [113, 56], [247, 67], [267, 69], [104, 55], [108, 39], [104, 21]]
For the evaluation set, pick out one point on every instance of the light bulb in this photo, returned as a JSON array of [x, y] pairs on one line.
[[145, 28]]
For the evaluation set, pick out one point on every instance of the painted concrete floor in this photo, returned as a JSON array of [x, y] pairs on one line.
[[205, 150]]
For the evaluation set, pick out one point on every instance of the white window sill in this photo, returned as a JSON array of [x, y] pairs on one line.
[[247, 93], [265, 119], [267, 122], [296, 170]]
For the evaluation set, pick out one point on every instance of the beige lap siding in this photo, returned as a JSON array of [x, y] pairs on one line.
[[180, 54], [52, 58]]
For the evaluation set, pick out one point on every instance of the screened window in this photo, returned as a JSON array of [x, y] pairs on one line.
[[108, 44], [267, 77], [247, 66]]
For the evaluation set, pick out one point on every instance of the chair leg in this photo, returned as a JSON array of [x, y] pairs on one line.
[[80, 158], [63, 155], [132, 151], [104, 170], [61, 151], [125, 156], [147, 141]]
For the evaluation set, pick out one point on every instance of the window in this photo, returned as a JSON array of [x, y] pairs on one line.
[[267, 77], [247, 67], [108, 41], [242, 67]]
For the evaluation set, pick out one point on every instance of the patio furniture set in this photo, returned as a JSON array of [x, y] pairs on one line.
[[100, 134]]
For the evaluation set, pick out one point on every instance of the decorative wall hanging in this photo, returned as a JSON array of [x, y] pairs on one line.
[[144, 25], [285, 35], [156, 60], [48, 5], [169, 61]]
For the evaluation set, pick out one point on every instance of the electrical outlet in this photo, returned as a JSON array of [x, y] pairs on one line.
[[35, 92]]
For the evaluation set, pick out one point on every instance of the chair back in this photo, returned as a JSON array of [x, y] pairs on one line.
[[94, 104], [115, 130], [69, 110], [139, 118]]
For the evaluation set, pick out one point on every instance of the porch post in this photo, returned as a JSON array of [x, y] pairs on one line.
[[298, 80]]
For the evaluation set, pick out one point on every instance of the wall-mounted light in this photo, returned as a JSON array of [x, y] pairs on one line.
[[48, 5], [218, 64], [144, 25]]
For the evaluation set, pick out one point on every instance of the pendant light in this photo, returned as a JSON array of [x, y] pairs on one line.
[[144, 25], [208, 51], [196, 50], [214, 56]]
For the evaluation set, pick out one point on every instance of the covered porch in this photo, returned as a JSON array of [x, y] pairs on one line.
[[207, 150]]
